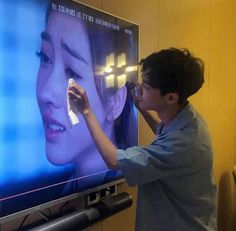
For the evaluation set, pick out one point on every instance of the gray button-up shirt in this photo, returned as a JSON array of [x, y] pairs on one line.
[[176, 188]]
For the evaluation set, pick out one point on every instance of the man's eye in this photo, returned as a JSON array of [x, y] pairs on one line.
[[71, 74], [44, 59]]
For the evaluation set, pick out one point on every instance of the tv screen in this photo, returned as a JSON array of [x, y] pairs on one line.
[[44, 155]]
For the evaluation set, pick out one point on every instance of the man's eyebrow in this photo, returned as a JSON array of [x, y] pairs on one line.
[[74, 53], [46, 37]]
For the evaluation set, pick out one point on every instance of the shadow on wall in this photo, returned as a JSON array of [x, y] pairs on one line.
[[225, 203]]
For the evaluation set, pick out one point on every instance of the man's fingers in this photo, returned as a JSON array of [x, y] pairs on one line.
[[72, 95], [77, 89]]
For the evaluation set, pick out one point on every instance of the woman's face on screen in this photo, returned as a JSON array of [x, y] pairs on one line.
[[65, 53]]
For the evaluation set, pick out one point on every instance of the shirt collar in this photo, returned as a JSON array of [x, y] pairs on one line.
[[182, 119]]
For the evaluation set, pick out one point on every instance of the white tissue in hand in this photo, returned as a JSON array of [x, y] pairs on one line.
[[72, 111]]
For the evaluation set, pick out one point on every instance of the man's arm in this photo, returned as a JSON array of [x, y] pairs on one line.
[[150, 119], [106, 148]]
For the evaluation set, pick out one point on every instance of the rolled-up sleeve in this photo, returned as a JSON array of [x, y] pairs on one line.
[[163, 158], [139, 166]]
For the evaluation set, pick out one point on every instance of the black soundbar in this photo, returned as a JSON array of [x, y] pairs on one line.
[[83, 218]]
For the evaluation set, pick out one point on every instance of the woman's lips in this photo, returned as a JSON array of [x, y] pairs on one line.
[[53, 128]]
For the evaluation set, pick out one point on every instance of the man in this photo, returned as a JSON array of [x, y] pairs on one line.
[[176, 190]]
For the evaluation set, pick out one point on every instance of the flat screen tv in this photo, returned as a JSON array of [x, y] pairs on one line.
[[44, 156]]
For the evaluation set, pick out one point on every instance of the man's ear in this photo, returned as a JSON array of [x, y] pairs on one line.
[[116, 104], [172, 98]]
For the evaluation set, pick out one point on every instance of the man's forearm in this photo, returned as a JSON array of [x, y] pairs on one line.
[[106, 148], [152, 122]]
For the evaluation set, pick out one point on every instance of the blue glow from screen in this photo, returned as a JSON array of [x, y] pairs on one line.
[[21, 132], [27, 178]]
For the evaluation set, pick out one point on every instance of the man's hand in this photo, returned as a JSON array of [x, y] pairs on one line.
[[134, 89], [79, 96], [104, 145]]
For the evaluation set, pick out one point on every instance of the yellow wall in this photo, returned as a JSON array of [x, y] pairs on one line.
[[207, 28]]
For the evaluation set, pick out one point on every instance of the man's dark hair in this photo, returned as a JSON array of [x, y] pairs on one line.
[[174, 70]]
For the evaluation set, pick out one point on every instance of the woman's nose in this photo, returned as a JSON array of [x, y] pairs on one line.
[[53, 90]]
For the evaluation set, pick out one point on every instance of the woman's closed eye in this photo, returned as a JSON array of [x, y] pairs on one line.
[[44, 58], [72, 74]]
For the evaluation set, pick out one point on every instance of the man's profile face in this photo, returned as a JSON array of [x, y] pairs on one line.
[[150, 98]]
